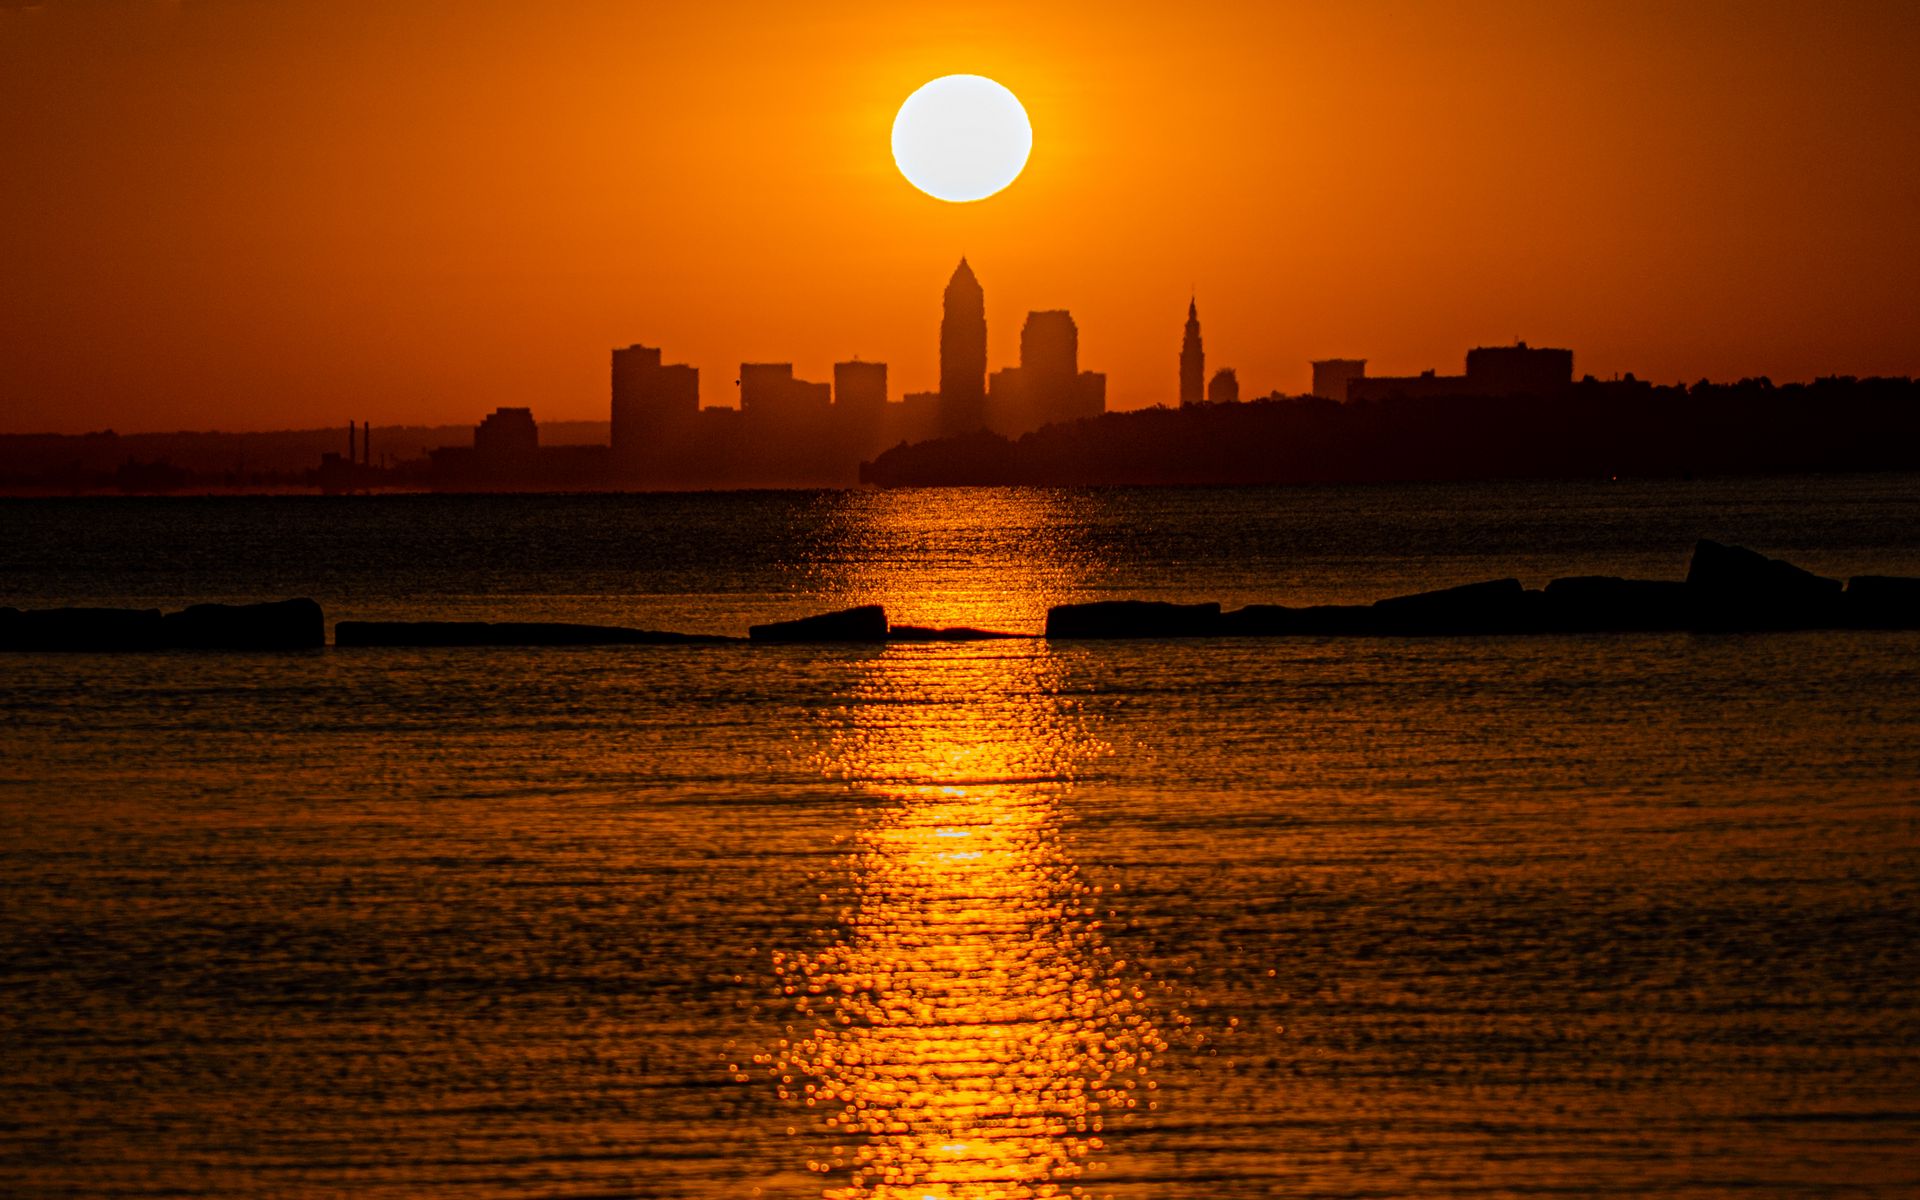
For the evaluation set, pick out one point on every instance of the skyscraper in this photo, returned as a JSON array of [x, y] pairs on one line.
[[771, 396], [1050, 345], [963, 353], [654, 404], [860, 388], [860, 407], [1193, 361], [1048, 387]]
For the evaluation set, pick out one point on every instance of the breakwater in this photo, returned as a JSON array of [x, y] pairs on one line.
[[1726, 589]]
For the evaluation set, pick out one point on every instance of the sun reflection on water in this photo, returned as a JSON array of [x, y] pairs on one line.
[[991, 558], [966, 1035]]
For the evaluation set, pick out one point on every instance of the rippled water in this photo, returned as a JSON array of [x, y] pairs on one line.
[[1625, 915]]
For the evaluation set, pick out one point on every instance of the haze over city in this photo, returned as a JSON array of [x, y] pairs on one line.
[[235, 216]]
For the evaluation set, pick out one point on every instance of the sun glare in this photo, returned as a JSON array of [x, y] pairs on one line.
[[961, 138]]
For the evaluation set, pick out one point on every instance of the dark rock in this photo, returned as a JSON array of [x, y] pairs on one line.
[[82, 629], [560, 633], [280, 625], [958, 633], [504, 633], [1735, 569], [1337, 620], [1132, 619], [868, 623], [1883, 602], [1316, 620], [1595, 603], [1261, 620], [1738, 588], [1496, 606]]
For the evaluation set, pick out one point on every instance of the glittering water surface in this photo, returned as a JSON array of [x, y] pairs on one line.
[[968, 1032], [1628, 915]]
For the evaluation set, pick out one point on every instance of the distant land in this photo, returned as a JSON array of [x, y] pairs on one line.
[[212, 461], [1593, 429]]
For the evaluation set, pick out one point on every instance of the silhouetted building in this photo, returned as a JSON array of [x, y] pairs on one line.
[[1048, 386], [507, 456], [860, 410], [1427, 385], [506, 433], [1193, 360], [769, 392], [1517, 370], [963, 353], [919, 417], [860, 388], [1050, 345], [1224, 388], [653, 404], [785, 432], [1332, 375]]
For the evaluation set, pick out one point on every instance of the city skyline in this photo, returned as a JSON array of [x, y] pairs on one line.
[[1513, 410], [213, 225], [658, 600], [1508, 412]]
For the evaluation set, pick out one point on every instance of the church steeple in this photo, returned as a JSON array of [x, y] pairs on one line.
[[1193, 359]]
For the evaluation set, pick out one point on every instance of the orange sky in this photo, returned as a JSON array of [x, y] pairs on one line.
[[255, 214]]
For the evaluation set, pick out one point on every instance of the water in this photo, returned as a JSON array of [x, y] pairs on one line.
[[718, 562], [1622, 915]]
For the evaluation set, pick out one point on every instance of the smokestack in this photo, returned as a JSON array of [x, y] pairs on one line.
[[351, 456], [366, 443]]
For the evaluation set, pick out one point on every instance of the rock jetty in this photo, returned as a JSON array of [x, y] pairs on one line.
[[506, 633], [1727, 588], [279, 625], [1132, 619], [867, 623]]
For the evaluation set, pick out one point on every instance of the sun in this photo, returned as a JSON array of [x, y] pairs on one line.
[[962, 138]]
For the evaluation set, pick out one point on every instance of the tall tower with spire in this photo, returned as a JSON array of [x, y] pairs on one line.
[[1193, 360], [963, 354]]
